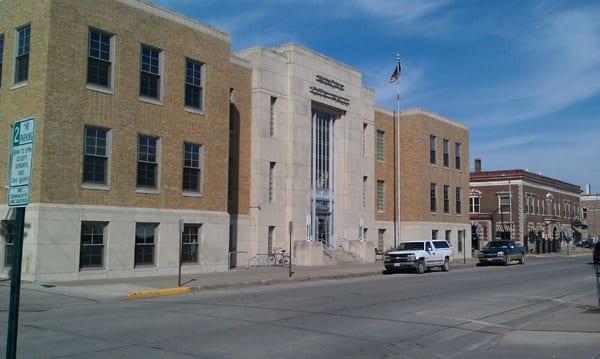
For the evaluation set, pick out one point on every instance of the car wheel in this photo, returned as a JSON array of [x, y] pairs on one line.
[[522, 259], [446, 265], [506, 260], [421, 267]]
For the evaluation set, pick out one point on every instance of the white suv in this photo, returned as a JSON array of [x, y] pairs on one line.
[[419, 255]]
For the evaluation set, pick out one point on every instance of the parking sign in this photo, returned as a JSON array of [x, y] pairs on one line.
[[21, 159]]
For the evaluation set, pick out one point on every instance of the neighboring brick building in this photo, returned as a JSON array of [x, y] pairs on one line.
[[434, 179], [132, 104], [590, 213], [532, 209]]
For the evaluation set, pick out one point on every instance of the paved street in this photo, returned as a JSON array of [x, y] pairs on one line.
[[540, 310]]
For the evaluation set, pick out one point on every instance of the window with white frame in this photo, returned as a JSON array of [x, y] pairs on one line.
[[193, 84], [99, 71], [22, 54], [457, 155], [446, 147], [96, 152], [432, 197], [147, 162], [272, 116], [190, 242], [192, 167], [504, 203], [380, 196], [91, 253], [145, 243], [380, 146], [474, 204], [446, 199], [432, 149], [150, 72]]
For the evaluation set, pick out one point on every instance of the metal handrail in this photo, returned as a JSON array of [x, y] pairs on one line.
[[229, 257], [328, 252]]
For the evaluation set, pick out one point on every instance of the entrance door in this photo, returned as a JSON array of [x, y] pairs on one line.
[[323, 230]]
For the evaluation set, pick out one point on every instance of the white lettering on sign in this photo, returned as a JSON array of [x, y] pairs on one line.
[[23, 137]]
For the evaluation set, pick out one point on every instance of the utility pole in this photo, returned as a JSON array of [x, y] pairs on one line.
[[291, 229], [180, 252]]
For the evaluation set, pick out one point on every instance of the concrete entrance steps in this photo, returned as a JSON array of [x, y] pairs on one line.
[[341, 256]]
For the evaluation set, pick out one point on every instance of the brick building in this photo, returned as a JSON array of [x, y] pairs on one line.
[[590, 213], [149, 128], [133, 105], [434, 179], [532, 209]]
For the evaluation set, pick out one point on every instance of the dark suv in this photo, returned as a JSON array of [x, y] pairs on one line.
[[596, 253]]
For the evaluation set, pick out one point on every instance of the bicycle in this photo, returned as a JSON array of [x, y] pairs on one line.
[[279, 257]]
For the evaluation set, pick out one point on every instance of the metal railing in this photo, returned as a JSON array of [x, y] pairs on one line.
[[329, 252]]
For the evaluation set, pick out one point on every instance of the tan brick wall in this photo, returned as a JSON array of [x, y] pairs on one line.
[[70, 106], [28, 100], [415, 171]]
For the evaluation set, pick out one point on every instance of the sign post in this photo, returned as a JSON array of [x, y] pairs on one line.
[[180, 252], [21, 157], [291, 229]]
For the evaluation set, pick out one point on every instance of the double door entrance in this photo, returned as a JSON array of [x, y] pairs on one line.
[[323, 228]]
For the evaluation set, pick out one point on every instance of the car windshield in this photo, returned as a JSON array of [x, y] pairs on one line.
[[498, 244], [409, 246]]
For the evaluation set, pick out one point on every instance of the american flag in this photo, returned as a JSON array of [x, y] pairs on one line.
[[396, 73]]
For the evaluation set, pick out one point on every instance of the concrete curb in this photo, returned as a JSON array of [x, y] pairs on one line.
[[158, 292], [262, 282], [551, 255]]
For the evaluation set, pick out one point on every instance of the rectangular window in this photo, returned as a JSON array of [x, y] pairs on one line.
[[584, 214], [189, 245], [446, 153], [193, 84], [527, 204], [22, 54], [434, 234], [147, 163], [458, 200], [432, 149], [364, 192], [504, 204], [380, 196], [95, 162], [380, 146], [8, 233], [144, 243], [432, 195], [457, 155], [150, 72], [1, 56], [99, 59], [447, 238], [446, 199], [271, 180], [474, 204], [364, 139], [192, 165], [91, 252], [461, 237], [272, 116], [270, 239], [380, 239]]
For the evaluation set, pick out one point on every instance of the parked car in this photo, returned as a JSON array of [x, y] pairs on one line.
[[420, 256], [596, 253], [503, 252]]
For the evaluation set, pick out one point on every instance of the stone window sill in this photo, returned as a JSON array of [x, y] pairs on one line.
[[19, 85], [98, 187], [197, 111], [151, 101], [100, 89]]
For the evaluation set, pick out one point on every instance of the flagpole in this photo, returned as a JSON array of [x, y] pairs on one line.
[[398, 229]]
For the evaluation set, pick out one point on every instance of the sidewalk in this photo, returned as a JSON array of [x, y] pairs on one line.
[[573, 252], [236, 278]]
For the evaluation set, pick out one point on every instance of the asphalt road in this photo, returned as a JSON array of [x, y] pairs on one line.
[[540, 310]]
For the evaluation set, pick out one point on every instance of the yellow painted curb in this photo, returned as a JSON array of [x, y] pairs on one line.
[[157, 292]]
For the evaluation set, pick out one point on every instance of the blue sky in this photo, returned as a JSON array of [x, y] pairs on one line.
[[524, 75]]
